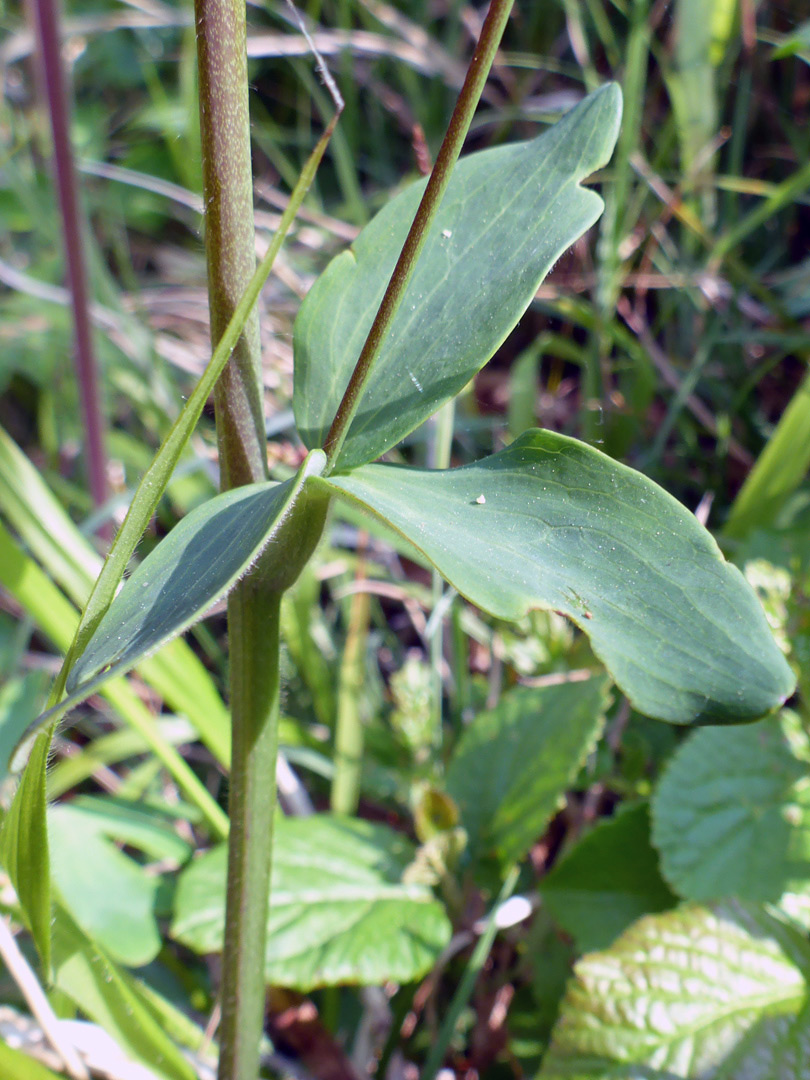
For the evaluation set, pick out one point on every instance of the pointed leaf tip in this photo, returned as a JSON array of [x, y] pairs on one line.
[[509, 213], [563, 526]]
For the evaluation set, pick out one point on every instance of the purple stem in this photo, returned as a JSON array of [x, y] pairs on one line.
[[46, 30]]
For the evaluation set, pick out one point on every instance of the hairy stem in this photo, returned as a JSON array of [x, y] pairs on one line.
[[253, 608], [253, 630], [46, 23], [229, 233], [457, 129]]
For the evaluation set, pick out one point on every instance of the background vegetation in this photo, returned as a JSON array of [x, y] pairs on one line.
[[496, 759]]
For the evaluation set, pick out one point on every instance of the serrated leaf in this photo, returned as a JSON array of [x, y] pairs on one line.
[[607, 881], [111, 997], [696, 994], [341, 907], [24, 848], [552, 523], [512, 766], [507, 216], [731, 814]]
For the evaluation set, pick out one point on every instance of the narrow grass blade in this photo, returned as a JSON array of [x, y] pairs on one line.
[[111, 997], [24, 849], [778, 471]]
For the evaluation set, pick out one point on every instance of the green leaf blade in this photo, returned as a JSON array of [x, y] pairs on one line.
[[731, 814], [607, 881], [197, 563], [16, 1065], [695, 994], [552, 523], [108, 894], [200, 560], [112, 998], [512, 766], [508, 215], [24, 848], [342, 909]]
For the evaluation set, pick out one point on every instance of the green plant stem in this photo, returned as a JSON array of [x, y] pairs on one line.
[[253, 608], [230, 234], [349, 733], [465, 987], [457, 129], [154, 481], [438, 457], [253, 628]]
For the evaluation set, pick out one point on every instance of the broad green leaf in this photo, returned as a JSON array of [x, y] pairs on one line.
[[200, 560], [552, 523], [24, 848], [197, 563], [512, 766], [107, 892], [695, 994], [607, 881], [731, 814], [147, 828], [507, 216], [154, 481], [342, 907], [111, 997]]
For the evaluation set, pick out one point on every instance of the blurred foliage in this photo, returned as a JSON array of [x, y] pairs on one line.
[[675, 336]]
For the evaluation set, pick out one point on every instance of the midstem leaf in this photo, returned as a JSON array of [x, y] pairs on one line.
[[440, 177], [200, 561], [553, 523], [56, 618], [154, 481], [507, 216]]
